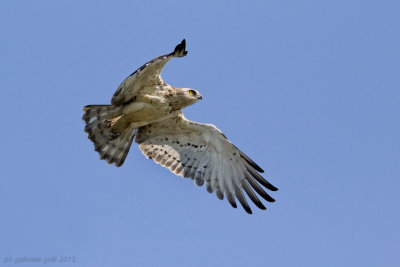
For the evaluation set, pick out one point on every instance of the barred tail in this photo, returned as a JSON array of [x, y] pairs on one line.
[[113, 147]]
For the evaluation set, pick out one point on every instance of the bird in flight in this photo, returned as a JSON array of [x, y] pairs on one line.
[[146, 109]]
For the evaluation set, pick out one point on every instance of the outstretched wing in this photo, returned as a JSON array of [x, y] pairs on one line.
[[203, 153], [148, 74]]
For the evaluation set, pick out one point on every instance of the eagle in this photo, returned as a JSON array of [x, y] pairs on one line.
[[146, 109]]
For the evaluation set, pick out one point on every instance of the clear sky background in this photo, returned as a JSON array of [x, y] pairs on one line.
[[308, 89]]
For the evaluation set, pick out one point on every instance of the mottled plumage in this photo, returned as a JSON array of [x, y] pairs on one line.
[[148, 110]]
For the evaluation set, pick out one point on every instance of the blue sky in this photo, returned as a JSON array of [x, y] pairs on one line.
[[308, 89]]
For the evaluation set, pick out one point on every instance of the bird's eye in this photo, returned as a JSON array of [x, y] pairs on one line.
[[192, 92]]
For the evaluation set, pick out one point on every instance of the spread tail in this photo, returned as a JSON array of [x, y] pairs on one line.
[[112, 146]]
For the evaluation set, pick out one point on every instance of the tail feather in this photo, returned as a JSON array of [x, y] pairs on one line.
[[112, 147]]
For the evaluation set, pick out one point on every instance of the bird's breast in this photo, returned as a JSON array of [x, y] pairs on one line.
[[142, 113]]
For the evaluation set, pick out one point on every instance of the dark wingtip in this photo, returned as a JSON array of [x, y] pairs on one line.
[[245, 206], [273, 188], [250, 161], [254, 165], [179, 50]]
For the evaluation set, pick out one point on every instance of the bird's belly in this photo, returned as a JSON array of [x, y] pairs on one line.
[[139, 113]]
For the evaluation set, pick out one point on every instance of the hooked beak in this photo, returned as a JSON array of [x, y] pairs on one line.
[[199, 97]]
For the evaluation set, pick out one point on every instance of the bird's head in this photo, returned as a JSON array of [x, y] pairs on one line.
[[186, 96], [193, 94]]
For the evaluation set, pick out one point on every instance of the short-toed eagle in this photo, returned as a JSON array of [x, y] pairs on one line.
[[148, 110]]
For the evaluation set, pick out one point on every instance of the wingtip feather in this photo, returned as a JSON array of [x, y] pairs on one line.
[[179, 50]]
